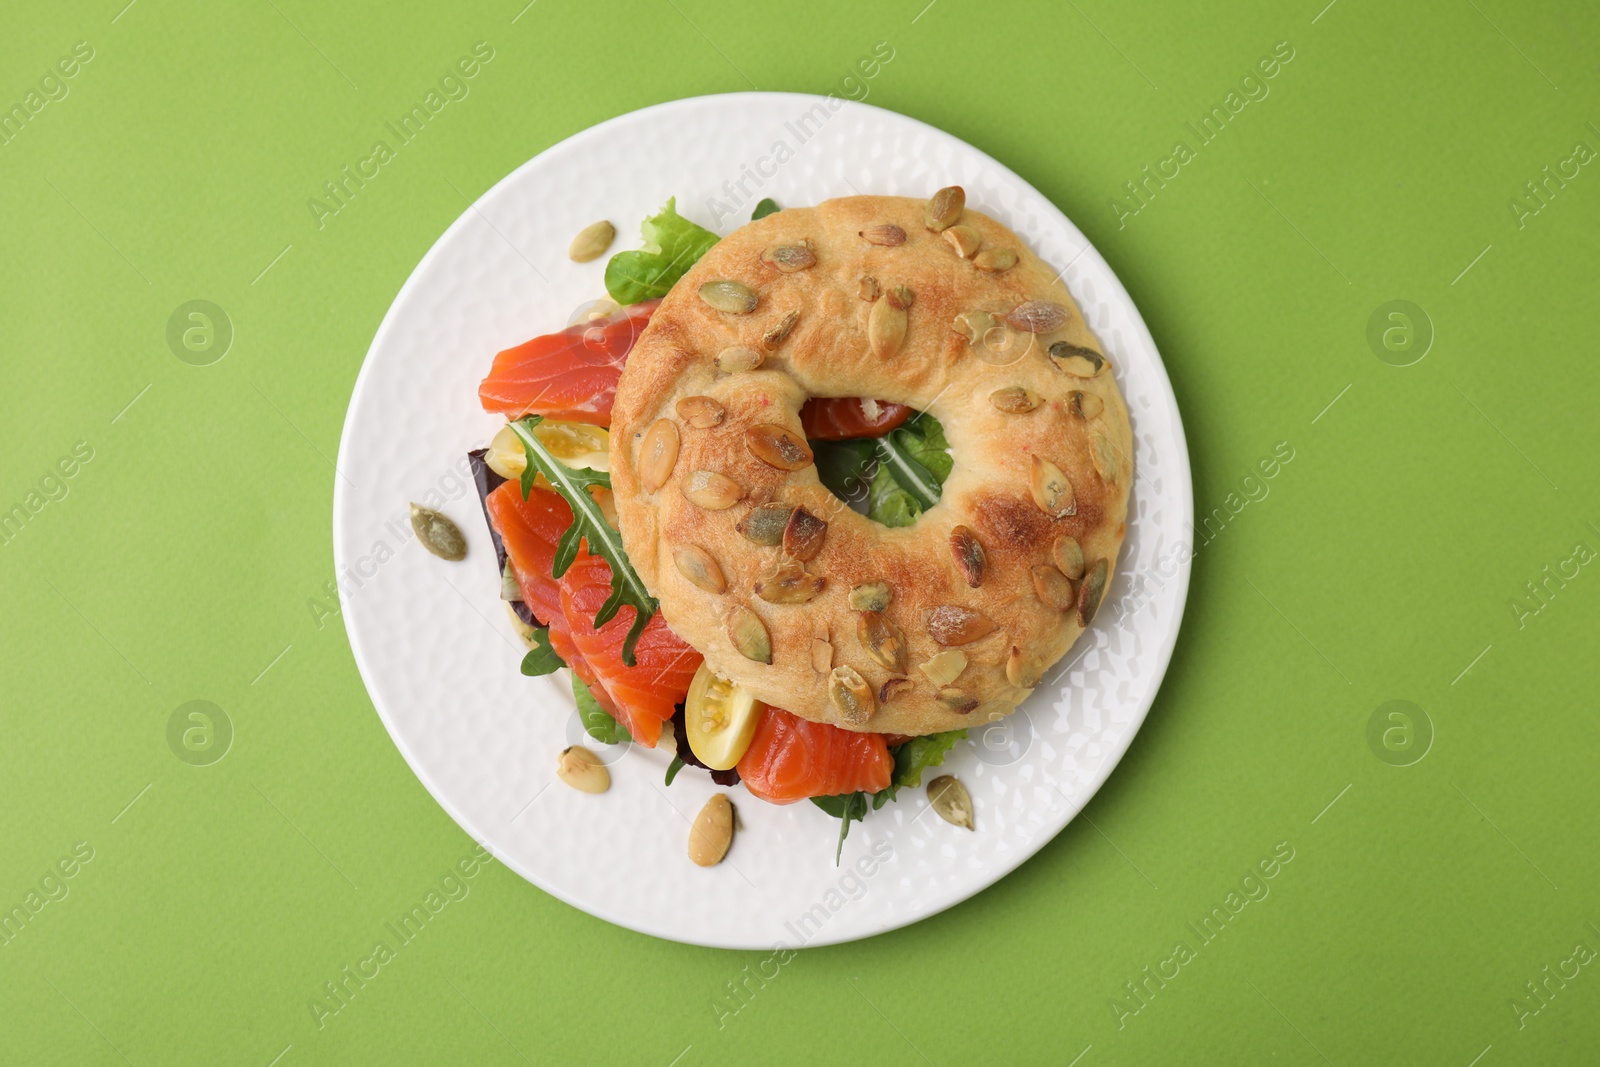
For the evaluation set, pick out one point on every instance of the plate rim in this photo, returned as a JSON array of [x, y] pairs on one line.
[[1114, 753]]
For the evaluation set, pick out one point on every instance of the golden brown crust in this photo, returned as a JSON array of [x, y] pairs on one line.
[[830, 352]]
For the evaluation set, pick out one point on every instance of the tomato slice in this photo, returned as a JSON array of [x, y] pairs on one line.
[[835, 418]]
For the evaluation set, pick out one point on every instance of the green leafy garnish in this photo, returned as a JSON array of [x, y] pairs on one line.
[[541, 659], [912, 758], [913, 462], [596, 721], [766, 207], [674, 767], [672, 244], [847, 808], [588, 525], [845, 467]]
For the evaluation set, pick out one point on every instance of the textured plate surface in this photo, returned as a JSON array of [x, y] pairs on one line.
[[439, 657]]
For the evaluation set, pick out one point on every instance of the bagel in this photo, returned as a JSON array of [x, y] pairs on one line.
[[917, 302]]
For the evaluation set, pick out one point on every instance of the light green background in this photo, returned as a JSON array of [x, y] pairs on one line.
[[1384, 560]]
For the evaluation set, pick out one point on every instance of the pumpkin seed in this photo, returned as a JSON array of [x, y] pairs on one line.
[[1053, 587], [779, 333], [592, 241], [995, 260], [969, 555], [964, 239], [945, 667], [893, 688], [701, 412], [697, 566], [731, 297], [901, 297], [1038, 316], [582, 770], [658, 453], [736, 358], [974, 325], [943, 209], [950, 801], [712, 491], [1086, 405], [1089, 594], [1051, 489], [869, 287], [851, 694], [749, 634], [821, 655], [882, 639], [1014, 399], [712, 832], [790, 258], [953, 625], [886, 234], [1022, 670], [1105, 459], [874, 596], [886, 329], [803, 535], [1076, 360], [1067, 555], [438, 534], [778, 446], [958, 700], [789, 584], [764, 525]]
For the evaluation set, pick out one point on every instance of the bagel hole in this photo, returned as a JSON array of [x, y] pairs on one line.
[[886, 477]]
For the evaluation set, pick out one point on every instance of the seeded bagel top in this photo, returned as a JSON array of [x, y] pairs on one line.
[[753, 559]]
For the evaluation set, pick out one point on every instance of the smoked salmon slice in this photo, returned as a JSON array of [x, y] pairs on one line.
[[529, 529], [569, 375], [791, 758], [646, 693]]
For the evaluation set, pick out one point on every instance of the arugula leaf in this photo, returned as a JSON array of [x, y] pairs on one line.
[[541, 659], [913, 462], [597, 722], [588, 525], [672, 244], [674, 767], [847, 808], [912, 758], [845, 467], [767, 207]]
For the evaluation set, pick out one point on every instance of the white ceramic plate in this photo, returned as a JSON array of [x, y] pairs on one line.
[[441, 661]]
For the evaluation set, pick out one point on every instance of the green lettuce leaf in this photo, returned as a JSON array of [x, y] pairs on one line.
[[541, 659], [672, 244], [766, 207], [845, 467], [915, 756], [588, 525], [596, 721], [913, 462], [674, 767]]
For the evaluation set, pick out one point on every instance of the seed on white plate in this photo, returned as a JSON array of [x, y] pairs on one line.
[[712, 832], [950, 801], [582, 770], [438, 534], [592, 241]]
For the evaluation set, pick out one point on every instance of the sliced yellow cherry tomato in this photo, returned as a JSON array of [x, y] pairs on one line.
[[721, 719], [577, 444]]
